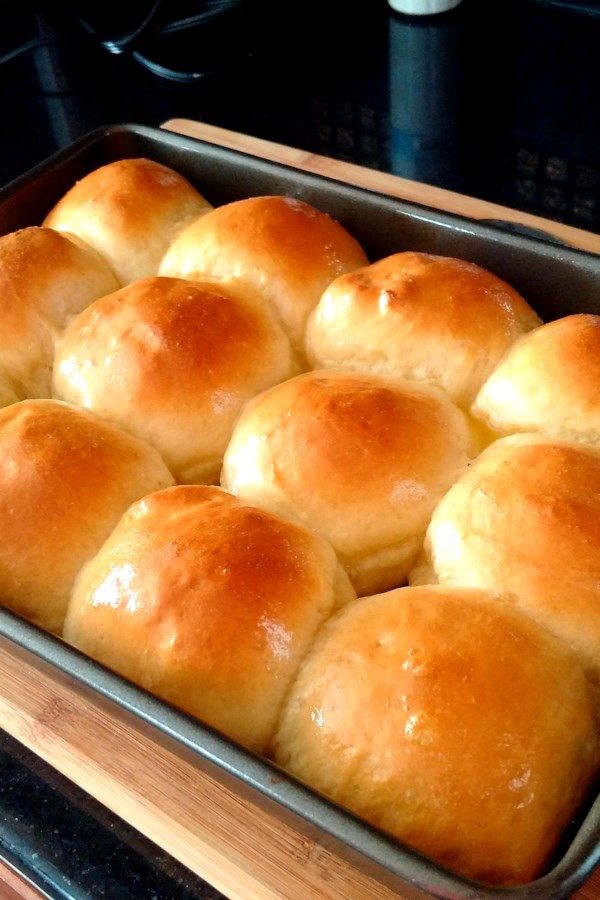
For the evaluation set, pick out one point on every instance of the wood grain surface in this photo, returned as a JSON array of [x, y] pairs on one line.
[[211, 824]]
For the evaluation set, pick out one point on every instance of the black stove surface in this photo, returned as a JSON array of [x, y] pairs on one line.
[[497, 100]]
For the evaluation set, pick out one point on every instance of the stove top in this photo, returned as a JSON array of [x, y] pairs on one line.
[[497, 100]]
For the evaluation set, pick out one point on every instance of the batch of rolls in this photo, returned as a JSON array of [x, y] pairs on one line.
[[372, 425]]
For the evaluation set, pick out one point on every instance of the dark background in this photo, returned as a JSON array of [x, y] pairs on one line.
[[497, 99]]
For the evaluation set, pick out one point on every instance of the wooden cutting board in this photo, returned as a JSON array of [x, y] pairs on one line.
[[210, 825]]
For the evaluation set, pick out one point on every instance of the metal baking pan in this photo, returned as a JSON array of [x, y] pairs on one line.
[[556, 280]]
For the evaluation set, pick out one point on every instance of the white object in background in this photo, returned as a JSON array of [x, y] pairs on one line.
[[422, 7]]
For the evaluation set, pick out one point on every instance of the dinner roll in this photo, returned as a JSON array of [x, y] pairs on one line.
[[129, 211], [8, 392], [173, 363], [360, 460], [450, 719], [65, 479], [45, 279], [525, 520], [422, 317], [284, 248], [549, 381], [208, 603]]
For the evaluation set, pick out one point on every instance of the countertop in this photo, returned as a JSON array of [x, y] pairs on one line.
[[497, 100], [67, 845]]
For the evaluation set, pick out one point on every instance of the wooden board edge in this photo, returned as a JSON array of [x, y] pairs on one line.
[[243, 849], [383, 182]]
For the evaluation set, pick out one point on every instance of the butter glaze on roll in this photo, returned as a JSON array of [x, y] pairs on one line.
[[45, 279], [525, 520], [65, 479], [173, 363], [283, 248], [450, 719], [129, 211], [359, 459], [412, 315], [549, 381], [208, 603]]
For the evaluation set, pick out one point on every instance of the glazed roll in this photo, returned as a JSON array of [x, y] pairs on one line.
[[417, 316], [525, 520], [450, 719], [283, 248], [361, 460], [45, 279], [173, 363], [65, 479], [549, 381], [208, 603], [129, 211]]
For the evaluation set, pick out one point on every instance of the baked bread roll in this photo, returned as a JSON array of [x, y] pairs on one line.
[[45, 279], [173, 363], [360, 460], [285, 249], [451, 720], [549, 381], [8, 393], [129, 211], [525, 520], [208, 603], [417, 316], [65, 479]]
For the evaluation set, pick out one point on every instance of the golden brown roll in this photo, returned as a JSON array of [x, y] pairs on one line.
[[451, 720], [129, 211], [173, 363], [422, 317], [360, 460], [65, 479], [549, 381], [45, 279], [525, 520], [283, 248], [208, 603]]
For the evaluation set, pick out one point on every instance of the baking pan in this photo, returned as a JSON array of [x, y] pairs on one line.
[[555, 279]]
